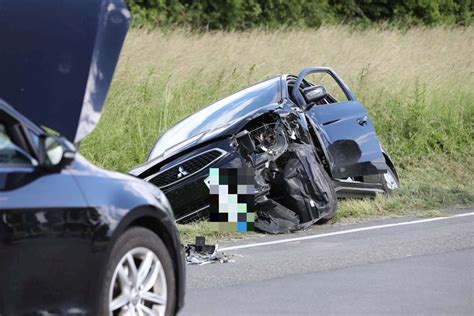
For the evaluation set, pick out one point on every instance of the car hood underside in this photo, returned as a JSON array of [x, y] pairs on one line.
[[57, 71]]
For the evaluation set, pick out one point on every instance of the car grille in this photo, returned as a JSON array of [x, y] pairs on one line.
[[191, 211], [186, 168]]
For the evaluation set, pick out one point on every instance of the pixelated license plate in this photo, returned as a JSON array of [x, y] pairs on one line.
[[232, 199]]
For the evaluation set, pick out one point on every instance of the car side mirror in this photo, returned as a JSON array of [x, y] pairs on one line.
[[314, 94], [55, 152]]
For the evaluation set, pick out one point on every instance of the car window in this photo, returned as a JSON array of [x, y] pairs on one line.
[[11, 154]]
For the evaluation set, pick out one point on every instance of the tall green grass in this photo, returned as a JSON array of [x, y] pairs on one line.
[[417, 85]]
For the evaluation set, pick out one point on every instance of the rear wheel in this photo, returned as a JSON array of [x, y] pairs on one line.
[[140, 277]]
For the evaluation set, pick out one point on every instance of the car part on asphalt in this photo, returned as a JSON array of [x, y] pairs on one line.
[[307, 149], [200, 254]]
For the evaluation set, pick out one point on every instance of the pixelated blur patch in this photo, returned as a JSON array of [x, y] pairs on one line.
[[232, 195]]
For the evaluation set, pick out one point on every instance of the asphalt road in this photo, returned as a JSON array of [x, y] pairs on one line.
[[417, 269]]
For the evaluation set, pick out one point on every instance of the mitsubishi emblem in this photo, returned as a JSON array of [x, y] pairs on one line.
[[182, 172]]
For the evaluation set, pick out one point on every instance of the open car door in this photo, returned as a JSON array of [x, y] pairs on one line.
[[344, 129]]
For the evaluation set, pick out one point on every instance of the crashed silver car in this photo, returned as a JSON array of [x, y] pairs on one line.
[[307, 149]]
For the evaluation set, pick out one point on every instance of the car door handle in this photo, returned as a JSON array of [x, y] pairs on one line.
[[362, 120]]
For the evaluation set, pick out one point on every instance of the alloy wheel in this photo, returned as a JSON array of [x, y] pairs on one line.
[[138, 285]]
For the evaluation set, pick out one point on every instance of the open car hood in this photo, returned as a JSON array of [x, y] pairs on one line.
[[57, 59]]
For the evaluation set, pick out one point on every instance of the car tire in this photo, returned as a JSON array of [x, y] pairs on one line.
[[390, 181], [332, 205], [121, 288]]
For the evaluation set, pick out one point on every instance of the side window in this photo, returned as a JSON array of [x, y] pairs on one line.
[[10, 153]]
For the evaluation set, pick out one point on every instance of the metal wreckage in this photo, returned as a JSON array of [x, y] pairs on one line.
[[306, 147]]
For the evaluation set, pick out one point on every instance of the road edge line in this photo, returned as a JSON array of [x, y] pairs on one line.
[[344, 232]]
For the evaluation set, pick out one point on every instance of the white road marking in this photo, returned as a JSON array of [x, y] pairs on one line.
[[343, 232]]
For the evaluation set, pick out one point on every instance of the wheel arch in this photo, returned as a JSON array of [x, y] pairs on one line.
[[157, 227]]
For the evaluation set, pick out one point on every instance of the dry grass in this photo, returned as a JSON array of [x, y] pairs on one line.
[[434, 56]]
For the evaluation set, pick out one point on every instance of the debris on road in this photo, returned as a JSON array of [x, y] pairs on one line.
[[200, 254]]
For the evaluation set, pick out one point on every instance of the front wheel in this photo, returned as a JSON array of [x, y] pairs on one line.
[[140, 278]]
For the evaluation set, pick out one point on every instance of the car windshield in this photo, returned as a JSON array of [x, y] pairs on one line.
[[221, 113]]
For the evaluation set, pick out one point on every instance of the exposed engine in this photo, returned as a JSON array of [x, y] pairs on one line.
[[271, 139]]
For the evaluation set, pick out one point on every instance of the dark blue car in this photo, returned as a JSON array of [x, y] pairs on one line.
[[307, 147], [75, 239]]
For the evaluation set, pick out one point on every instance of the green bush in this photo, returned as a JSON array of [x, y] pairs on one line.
[[244, 14], [406, 12]]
